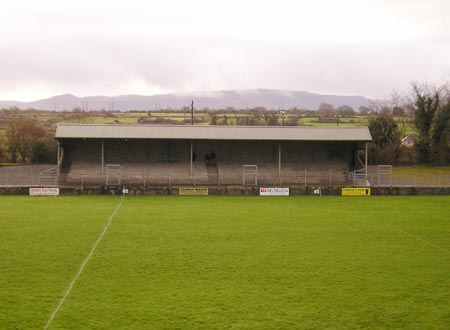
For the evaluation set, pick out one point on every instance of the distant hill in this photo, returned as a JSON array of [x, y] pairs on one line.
[[240, 99]]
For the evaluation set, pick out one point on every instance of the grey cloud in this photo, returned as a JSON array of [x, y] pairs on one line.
[[180, 65]]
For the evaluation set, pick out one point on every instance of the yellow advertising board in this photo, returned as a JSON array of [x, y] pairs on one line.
[[193, 191], [355, 191]]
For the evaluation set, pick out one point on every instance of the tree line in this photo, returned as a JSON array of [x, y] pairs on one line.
[[427, 109]]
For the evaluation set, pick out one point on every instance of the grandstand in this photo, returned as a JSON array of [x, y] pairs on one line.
[[208, 155]]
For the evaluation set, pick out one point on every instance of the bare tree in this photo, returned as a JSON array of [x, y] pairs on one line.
[[385, 144], [26, 139]]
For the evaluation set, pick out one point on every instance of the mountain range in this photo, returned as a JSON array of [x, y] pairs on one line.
[[270, 99]]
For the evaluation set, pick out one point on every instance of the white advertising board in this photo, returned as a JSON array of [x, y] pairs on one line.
[[44, 191], [274, 191]]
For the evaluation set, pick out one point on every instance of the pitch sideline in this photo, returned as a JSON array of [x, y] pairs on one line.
[[55, 311]]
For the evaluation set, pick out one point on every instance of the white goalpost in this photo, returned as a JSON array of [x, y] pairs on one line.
[[113, 174], [250, 175]]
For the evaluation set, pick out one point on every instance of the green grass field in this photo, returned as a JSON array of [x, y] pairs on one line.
[[226, 262]]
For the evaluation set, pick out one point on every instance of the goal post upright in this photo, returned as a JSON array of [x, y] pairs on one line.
[[250, 172]]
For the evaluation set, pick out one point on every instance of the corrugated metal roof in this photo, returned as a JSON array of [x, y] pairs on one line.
[[187, 132]]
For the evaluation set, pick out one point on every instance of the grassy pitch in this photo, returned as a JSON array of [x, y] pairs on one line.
[[226, 263]]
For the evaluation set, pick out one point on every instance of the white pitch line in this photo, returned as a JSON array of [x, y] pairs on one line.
[[83, 265], [423, 241]]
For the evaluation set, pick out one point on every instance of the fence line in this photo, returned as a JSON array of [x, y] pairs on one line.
[[438, 177]]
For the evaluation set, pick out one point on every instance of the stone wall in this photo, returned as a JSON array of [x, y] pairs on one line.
[[235, 191]]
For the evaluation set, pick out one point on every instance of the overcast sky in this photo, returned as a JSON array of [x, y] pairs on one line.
[[356, 47]]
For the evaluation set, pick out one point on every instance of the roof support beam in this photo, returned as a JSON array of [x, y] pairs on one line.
[[103, 156], [279, 159], [365, 160], [58, 156], [192, 157]]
